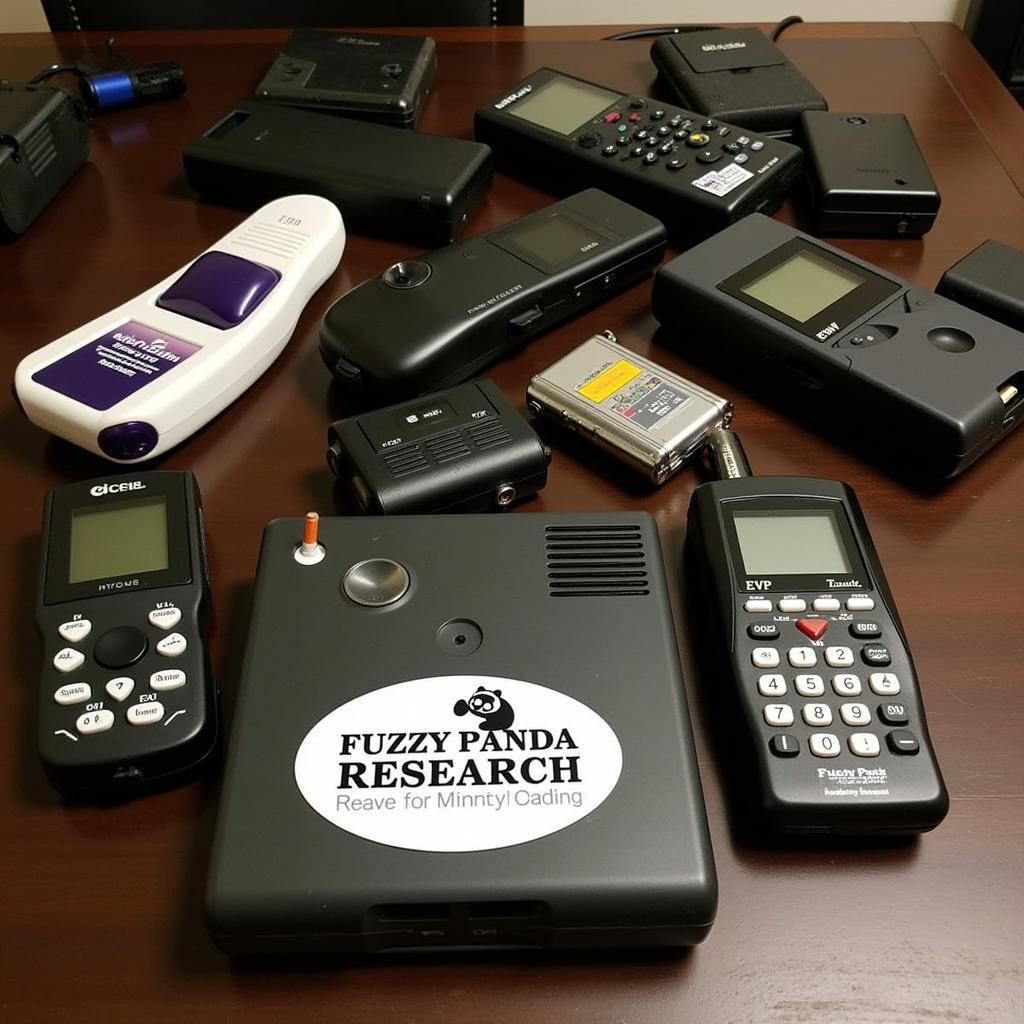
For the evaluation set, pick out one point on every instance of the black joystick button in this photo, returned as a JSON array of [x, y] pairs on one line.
[[120, 647], [407, 274]]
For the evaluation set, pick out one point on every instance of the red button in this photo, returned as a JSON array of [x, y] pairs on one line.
[[812, 627], [634, 117], [613, 116]]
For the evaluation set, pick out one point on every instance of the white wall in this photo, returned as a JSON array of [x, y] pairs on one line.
[[718, 12], [27, 15]]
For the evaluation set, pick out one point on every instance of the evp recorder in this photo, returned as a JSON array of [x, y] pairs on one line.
[[482, 783], [890, 358], [820, 681], [693, 173], [436, 320]]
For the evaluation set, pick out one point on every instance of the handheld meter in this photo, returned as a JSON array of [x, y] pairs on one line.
[[821, 685], [694, 173], [126, 697], [883, 355], [427, 323], [145, 376]]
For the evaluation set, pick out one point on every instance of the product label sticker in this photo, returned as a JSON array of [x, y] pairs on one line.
[[458, 763], [721, 183], [607, 382], [103, 372], [648, 401]]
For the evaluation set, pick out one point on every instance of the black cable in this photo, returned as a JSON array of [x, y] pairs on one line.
[[675, 30], [793, 19], [56, 69], [665, 30]]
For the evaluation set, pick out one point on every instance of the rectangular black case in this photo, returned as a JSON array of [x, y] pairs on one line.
[[527, 608], [373, 77], [989, 280], [44, 139], [386, 182], [737, 74], [867, 175]]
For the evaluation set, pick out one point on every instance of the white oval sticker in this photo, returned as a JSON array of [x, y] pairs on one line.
[[458, 763]]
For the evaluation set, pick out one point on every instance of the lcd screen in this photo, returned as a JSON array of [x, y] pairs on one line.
[[554, 240], [118, 540], [790, 543], [563, 104], [803, 285]]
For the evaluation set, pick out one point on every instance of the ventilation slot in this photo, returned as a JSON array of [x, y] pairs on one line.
[[448, 447], [403, 461], [40, 150], [275, 239], [489, 434], [596, 560]]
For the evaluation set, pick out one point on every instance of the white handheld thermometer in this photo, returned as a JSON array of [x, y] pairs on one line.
[[140, 379]]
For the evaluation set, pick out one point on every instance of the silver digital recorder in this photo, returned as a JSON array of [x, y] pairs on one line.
[[643, 414]]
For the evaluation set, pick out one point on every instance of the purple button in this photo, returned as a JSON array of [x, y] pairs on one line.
[[219, 289], [130, 440]]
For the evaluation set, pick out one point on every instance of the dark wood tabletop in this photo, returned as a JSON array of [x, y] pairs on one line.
[[102, 907]]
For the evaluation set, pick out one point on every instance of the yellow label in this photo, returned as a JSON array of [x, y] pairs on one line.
[[608, 382]]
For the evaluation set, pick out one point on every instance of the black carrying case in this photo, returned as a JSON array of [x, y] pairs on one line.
[[44, 139], [387, 182]]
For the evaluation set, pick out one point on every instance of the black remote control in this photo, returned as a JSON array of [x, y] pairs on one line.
[[821, 679], [695, 174], [126, 698]]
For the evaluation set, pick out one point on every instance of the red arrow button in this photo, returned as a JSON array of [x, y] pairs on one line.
[[813, 628]]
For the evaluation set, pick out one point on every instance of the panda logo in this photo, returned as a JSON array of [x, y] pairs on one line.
[[493, 710]]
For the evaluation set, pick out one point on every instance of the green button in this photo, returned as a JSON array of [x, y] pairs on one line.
[[621, 129]]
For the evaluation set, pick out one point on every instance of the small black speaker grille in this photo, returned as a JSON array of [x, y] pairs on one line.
[[448, 447], [40, 150], [406, 460], [489, 434], [596, 560]]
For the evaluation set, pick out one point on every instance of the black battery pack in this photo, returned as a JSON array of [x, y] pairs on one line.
[[387, 182], [867, 175], [374, 77], [44, 139], [737, 75], [989, 280], [465, 449]]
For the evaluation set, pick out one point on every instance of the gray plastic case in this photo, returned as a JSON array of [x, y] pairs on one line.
[[574, 604]]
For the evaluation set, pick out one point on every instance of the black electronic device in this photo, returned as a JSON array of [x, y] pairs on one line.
[[814, 670], [126, 699], [44, 139], [452, 732], [436, 320], [374, 77], [737, 75], [989, 280], [386, 181], [848, 341], [465, 449], [693, 173], [867, 175]]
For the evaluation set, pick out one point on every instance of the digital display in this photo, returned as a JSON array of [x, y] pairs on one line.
[[563, 104], [803, 285], [554, 240], [790, 543], [118, 539]]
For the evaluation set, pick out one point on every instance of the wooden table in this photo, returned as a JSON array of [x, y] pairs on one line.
[[102, 908]]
